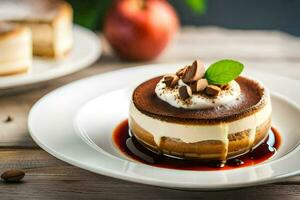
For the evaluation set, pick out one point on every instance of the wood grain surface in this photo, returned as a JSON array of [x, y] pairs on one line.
[[49, 178]]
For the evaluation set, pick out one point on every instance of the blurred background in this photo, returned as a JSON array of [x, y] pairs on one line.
[[236, 14], [263, 35]]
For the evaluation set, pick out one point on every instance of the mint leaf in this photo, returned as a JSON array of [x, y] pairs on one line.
[[223, 71]]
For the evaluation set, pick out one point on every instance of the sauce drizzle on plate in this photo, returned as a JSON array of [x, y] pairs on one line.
[[129, 146]]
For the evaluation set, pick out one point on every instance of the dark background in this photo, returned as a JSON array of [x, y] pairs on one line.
[[246, 14], [238, 14]]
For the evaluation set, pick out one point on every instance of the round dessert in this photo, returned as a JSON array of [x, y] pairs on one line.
[[188, 115], [15, 48]]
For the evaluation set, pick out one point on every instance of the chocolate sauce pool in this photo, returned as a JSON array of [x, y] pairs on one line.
[[133, 149]]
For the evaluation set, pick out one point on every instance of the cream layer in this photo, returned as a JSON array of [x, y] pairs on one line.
[[192, 133], [57, 36], [17, 47], [14, 66], [16, 52], [42, 33], [63, 35]]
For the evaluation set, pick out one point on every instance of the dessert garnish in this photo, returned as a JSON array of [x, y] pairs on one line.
[[185, 92], [193, 72], [171, 80], [194, 87], [223, 71], [199, 85], [212, 90], [212, 81]]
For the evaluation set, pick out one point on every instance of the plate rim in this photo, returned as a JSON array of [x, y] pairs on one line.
[[134, 179]]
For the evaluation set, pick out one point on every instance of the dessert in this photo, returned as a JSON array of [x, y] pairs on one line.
[[134, 150], [212, 114], [15, 48], [50, 22]]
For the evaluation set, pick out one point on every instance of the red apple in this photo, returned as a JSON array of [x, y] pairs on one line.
[[140, 29]]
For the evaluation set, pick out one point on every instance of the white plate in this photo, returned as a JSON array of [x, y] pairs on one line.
[[85, 51], [75, 124]]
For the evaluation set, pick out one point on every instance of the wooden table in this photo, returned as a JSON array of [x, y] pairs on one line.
[[49, 178]]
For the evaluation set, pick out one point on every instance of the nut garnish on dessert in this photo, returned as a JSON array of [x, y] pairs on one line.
[[203, 84], [171, 80], [199, 85], [212, 90], [185, 92], [212, 114], [193, 72]]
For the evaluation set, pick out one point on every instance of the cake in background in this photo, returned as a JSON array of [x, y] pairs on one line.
[[50, 22], [15, 48]]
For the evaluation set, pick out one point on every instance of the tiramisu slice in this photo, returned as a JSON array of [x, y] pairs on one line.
[[50, 22], [201, 114], [15, 48]]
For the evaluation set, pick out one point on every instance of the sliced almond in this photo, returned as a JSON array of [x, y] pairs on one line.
[[199, 85], [194, 72], [180, 72], [212, 90], [171, 80], [185, 92]]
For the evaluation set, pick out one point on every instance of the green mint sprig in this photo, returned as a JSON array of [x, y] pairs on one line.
[[223, 71]]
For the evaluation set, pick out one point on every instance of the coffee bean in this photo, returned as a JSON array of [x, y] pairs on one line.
[[13, 175], [7, 119]]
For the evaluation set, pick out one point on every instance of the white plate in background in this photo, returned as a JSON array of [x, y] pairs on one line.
[[86, 50]]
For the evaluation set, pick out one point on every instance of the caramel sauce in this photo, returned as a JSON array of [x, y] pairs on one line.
[[136, 151]]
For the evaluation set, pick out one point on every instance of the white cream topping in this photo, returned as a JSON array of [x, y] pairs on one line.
[[198, 101], [197, 133]]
